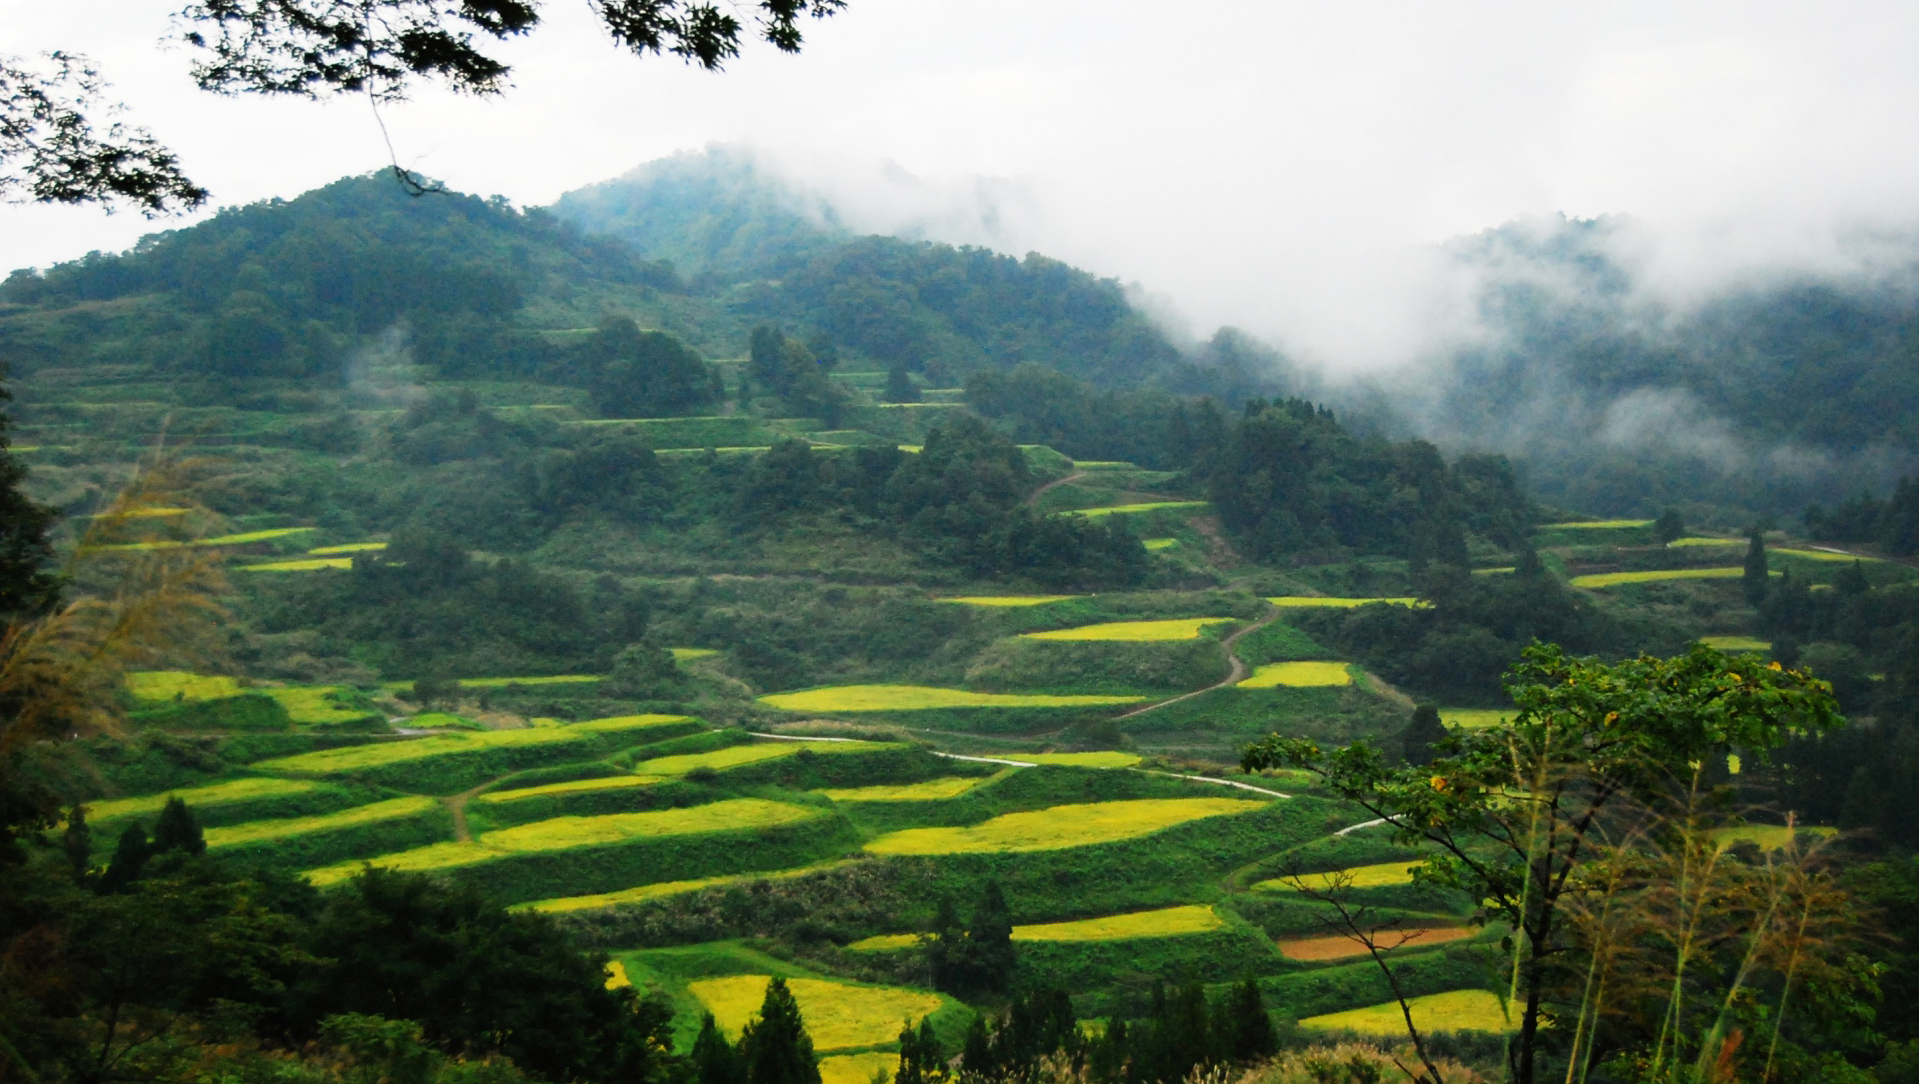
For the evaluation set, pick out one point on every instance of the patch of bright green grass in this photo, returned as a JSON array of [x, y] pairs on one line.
[[1455, 1010], [846, 698], [1184, 628], [281, 828], [1060, 826], [1298, 675]]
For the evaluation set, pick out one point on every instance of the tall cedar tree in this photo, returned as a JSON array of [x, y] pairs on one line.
[[178, 830], [990, 939], [129, 860], [1424, 733], [1755, 576], [775, 1047], [715, 1061], [26, 585]]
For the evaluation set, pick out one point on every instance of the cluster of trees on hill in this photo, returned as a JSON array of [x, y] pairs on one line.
[[1892, 524]]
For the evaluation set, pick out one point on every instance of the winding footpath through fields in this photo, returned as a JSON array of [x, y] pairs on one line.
[[1240, 671], [1033, 497]]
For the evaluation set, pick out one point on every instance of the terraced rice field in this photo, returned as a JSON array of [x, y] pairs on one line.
[[245, 538], [856, 1068], [1316, 949], [281, 828], [1299, 675], [1689, 542], [1597, 525], [181, 684], [569, 833], [1132, 509], [313, 706], [1183, 628], [1100, 759], [1770, 837], [1378, 875], [642, 893], [688, 654], [381, 754], [504, 682], [1455, 1010], [1474, 718], [1156, 544], [930, 790], [922, 697], [234, 790], [838, 1015], [1165, 922], [620, 724], [1821, 555], [302, 564], [576, 786], [1736, 643], [735, 755], [1303, 602], [349, 547], [1060, 826], [999, 601], [1613, 579]]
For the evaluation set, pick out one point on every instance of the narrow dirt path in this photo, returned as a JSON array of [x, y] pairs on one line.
[[456, 805], [1239, 672], [1033, 497]]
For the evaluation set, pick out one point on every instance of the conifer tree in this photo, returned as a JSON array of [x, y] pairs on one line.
[[989, 942], [1424, 732], [775, 1047], [921, 1059], [1670, 527], [130, 856], [900, 387], [976, 1055], [715, 1061], [1248, 1033], [946, 949], [178, 830], [1756, 573], [77, 841]]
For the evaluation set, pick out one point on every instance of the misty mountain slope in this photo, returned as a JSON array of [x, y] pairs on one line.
[[1766, 397], [714, 213]]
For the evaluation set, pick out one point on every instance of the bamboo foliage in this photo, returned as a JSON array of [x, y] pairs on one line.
[[61, 673]]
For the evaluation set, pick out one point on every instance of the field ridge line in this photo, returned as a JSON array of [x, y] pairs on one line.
[[1351, 828], [1237, 674], [1218, 782], [1033, 498]]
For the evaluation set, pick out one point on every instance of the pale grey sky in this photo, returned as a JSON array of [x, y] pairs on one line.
[[1272, 164]]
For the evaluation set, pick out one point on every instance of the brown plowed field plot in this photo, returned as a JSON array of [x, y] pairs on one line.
[[1335, 948]]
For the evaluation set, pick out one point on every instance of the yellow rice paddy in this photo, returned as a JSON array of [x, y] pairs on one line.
[[923, 697], [1736, 643], [303, 564], [838, 1015], [1455, 1010], [350, 547], [1100, 759], [1060, 826], [1597, 525], [688, 654], [1159, 543], [168, 684], [570, 833], [242, 539], [1184, 628], [504, 682], [671, 888], [1687, 542], [1769, 837], [1610, 579], [576, 786], [381, 754], [856, 1068], [1474, 718], [931, 790], [234, 790], [1303, 602], [1379, 875], [258, 831], [312, 705], [1299, 675], [1165, 922], [997, 601], [619, 724], [1820, 555], [1316, 949], [735, 755], [1131, 509]]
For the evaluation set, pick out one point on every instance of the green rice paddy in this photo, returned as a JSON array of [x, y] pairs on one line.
[[576, 786], [381, 754], [283, 827], [930, 790], [1473, 718], [734, 756], [922, 697], [1133, 509], [1597, 525], [1110, 758], [1299, 602], [180, 684], [233, 790], [1736, 643], [1006, 600]]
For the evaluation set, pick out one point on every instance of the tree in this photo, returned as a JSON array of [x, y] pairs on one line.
[[922, 1061], [77, 841], [53, 149], [646, 374], [1754, 579], [27, 583], [899, 386], [1246, 1031], [715, 1061], [177, 830], [989, 940], [774, 1046], [129, 860], [1670, 526], [1423, 735], [1519, 810]]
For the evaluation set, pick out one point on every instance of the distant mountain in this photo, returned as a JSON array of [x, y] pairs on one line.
[[1765, 398]]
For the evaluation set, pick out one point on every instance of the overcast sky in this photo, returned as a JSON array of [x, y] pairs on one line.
[[1276, 165]]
